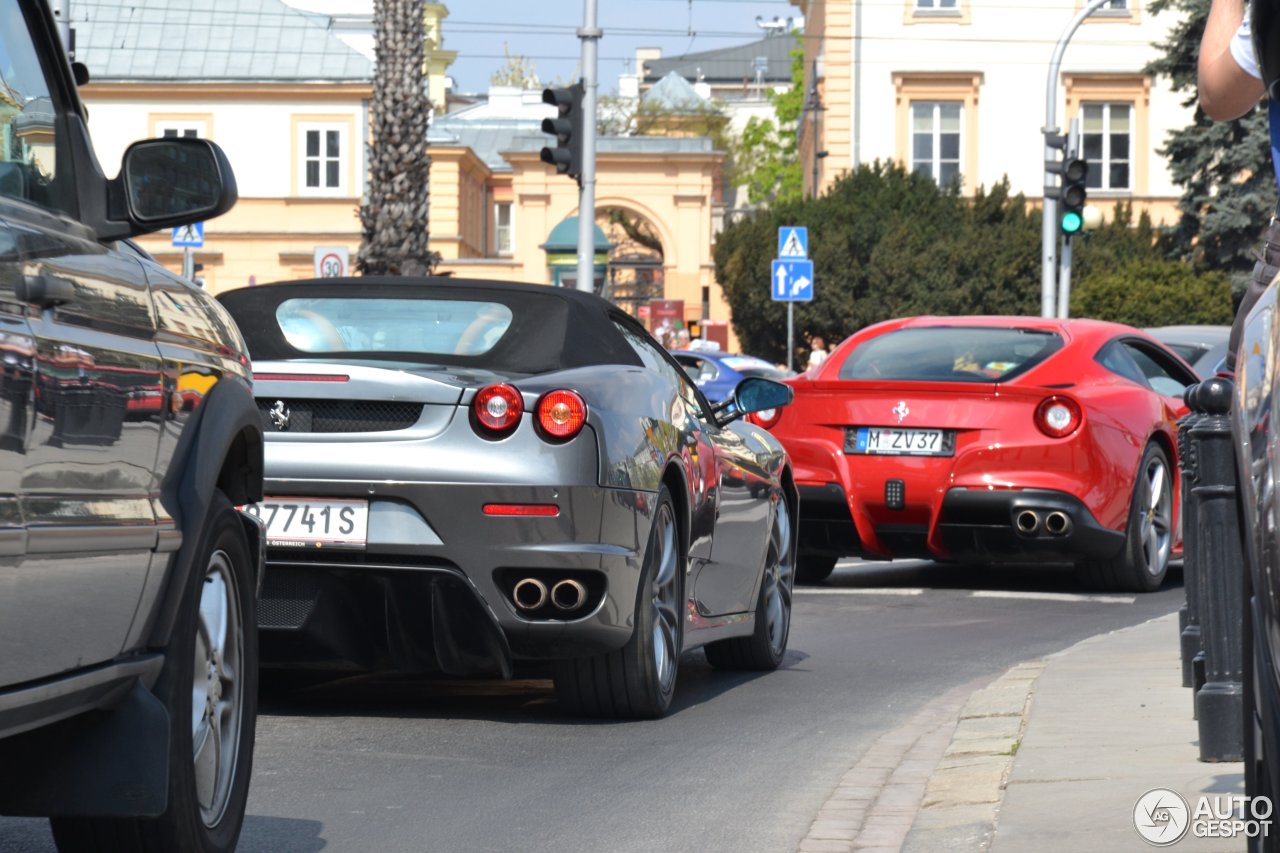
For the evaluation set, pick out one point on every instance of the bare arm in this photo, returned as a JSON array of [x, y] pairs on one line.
[[1227, 91]]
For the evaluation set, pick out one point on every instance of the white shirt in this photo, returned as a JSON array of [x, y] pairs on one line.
[[1242, 49]]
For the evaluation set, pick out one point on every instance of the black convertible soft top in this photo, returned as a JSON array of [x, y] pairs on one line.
[[550, 328]]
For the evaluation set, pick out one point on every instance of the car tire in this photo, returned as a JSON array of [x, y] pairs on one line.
[[1259, 753], [766, 646], [1143, 562], [638, 680], [814, 568], [213, 653]]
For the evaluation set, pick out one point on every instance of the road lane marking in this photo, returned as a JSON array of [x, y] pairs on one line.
[[1053, 596], [860, 590]]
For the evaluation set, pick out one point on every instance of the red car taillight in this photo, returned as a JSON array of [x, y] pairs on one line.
[[498, 408], [767, 418], [561, 414], [1058, 417]]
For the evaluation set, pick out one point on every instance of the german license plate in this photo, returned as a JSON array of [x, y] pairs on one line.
[[313, 522], [891, 441]]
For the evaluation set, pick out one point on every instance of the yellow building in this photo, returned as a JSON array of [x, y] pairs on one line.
[[289, 102]]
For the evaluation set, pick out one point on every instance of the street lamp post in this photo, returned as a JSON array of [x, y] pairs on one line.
[[1049, 233]]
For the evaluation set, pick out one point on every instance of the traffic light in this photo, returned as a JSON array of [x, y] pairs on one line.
[[566, 127], [1071, 192], [1072, 195]]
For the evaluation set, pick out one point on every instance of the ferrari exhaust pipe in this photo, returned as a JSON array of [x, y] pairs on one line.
[[1057, 523], [568, 595], [1027, 521], [529, 594]]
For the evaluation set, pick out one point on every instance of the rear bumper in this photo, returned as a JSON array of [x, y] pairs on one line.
[[435, 594], [970, 525]]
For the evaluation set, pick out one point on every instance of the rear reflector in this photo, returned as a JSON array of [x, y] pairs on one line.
[[544, 510], [300, 377]]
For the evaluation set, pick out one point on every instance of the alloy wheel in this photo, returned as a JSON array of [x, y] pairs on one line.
[[1157, 517], [779, 579], [665, 596], [217, 700]]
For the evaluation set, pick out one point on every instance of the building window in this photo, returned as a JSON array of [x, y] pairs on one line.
[[1107, 140], [937, 11], [184, 132], [183, 126], [322, 159], [502, 228], [935, 139], [931, 5]]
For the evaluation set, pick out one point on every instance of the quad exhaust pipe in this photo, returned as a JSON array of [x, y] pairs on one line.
[[568, 595], [532, 594], [1055, 522], [529, 594]]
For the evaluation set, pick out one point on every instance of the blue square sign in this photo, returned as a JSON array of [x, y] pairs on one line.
[[792, 280], [793, 241], [189, 236]]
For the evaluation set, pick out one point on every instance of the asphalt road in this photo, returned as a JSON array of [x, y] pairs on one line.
[[742, 763]]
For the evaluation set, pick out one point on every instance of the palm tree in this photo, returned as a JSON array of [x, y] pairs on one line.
[[394, 213]]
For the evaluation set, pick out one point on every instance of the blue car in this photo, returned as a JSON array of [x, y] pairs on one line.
[[718, 373]]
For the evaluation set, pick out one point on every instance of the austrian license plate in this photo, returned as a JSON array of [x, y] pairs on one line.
[[313, 522], [892, 441]]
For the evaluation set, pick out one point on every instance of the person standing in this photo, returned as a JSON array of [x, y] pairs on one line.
[[817, 351], [1229, 84]]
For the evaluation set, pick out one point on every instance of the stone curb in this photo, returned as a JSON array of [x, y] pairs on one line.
[[935, 782], [962, 799]]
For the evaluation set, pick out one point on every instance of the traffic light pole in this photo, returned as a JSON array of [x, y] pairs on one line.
[[1064, 266], [1049, 233], [590, 35]]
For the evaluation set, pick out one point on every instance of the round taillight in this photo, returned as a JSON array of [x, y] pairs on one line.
[[561, 414], [767, 418], [1058, 417], [498, 408]]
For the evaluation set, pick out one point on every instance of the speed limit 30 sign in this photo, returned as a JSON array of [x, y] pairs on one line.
[[331, 261]]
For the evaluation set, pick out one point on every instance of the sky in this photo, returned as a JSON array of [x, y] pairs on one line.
[[544, 31]]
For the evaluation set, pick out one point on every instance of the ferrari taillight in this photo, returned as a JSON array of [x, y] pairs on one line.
[[498, 408], [561, 414], [1058, 417], [767, 418]]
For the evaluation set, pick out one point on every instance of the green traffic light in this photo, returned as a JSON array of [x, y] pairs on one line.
[[1071, 222]]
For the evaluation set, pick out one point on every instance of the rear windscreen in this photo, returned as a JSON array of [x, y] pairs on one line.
[[950, 354], [424, 326]]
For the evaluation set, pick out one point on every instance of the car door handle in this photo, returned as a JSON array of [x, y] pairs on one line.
[[46, 290]]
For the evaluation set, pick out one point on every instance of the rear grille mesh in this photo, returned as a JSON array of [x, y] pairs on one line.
[[287, 599], [281, 415]]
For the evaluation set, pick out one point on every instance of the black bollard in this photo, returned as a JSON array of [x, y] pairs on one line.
[[1219, 550], [1189, 614]]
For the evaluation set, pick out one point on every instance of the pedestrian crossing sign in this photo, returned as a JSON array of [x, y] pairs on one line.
[[793, 241], [189, 236]]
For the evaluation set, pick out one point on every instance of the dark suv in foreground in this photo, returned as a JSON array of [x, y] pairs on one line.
[[128, 435]]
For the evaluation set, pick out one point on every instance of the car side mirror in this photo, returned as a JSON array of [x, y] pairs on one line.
[[755, 394], [176, 181]]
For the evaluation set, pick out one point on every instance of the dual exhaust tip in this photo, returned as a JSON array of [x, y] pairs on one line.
[[531, 594], [1031, 522]]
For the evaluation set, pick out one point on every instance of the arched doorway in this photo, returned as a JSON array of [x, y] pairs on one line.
[[635, 260]]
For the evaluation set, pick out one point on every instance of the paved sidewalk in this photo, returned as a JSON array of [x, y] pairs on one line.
[[1051, 756]]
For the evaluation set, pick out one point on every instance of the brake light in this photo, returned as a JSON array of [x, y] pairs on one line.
[[561, 414], [767, 418], [1058, 417], [498, 408]]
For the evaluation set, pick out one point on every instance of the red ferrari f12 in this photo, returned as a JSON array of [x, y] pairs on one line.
[[991, 439]]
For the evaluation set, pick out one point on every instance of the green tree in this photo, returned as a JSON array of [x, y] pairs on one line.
[[394, 215], [767, 160], [1224, 168], [888, 243]]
